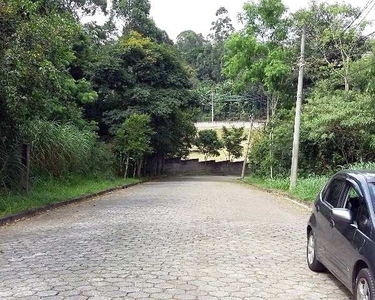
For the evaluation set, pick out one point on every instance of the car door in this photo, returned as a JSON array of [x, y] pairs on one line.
[[330, 199], [344, 239]]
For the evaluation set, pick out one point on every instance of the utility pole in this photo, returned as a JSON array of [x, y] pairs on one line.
[[212, 105], [297, 120], [247, 149]]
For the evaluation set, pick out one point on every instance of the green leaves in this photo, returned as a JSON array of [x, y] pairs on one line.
[[222, 28], [334, 41], [208, 143], [232, 139], [35, 76], [134, 136], [205, 56], [341, 124], [338, 112], [84, 92], [136, 15], [257, 55], [266, 20], [145, 77]]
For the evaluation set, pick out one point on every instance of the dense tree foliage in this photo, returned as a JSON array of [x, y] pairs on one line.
[[205, 55], [40, 100], [35, 78], [65, 86], [232, 142], [337, 118], [135, 15], [208, 143], [258, 55], [205, 59], [146, 77], [73, 91], [133, 142]]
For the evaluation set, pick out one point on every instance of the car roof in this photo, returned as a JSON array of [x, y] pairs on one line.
[[367, 175]]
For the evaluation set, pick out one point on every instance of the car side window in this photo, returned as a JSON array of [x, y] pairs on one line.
[[324, 191], [360, 213], [335, 191], [353, 193], [353, 201], [362, 218]]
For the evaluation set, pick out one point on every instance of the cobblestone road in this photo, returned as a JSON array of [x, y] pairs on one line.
[[194, 238]]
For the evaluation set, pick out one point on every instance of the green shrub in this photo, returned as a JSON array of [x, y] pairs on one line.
[[307, 188]]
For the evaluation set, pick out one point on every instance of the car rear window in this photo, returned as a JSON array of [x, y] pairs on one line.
[[335, 190]]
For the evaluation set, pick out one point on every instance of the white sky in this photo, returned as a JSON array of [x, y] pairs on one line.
[[175, 16]]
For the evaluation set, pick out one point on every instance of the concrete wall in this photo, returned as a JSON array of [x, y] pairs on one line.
[[176, 166]]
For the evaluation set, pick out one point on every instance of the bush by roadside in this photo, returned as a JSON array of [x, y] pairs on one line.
[[307, 188]]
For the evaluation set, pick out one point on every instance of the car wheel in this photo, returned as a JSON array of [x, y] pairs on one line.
[[364, 286], [312, 261]]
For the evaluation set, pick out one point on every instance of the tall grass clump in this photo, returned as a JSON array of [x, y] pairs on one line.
[[10, 162], [363, 166], [307, 188], [59, 150]]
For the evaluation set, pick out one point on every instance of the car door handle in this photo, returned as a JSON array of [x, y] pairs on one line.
[[317, 208], [332, 223]]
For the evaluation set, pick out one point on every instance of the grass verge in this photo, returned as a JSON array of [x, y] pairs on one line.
[[307, 188], [53, 191]]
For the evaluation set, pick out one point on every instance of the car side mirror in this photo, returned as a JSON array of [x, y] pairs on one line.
[[342, 215]]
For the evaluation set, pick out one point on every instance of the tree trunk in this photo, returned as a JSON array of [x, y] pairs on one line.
[[346, 79], [121, 169], [126, 167], [162, 165], [25, 172], [247, 150], [145, 166], [139, 169], [157, 166], [271, 153]]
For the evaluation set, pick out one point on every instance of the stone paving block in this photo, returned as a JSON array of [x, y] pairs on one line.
[[204, 238]]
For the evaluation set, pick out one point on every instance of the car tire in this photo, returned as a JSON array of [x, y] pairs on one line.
[[364, 285], [313, 263]]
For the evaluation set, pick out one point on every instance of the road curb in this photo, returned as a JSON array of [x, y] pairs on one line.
[[282, 195], [40, 210]]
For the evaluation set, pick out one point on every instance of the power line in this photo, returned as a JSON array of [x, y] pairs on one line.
[[359, 14], [365, 15], [366, 36]]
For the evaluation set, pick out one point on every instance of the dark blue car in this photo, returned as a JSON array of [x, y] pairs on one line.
[[340, 232]]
